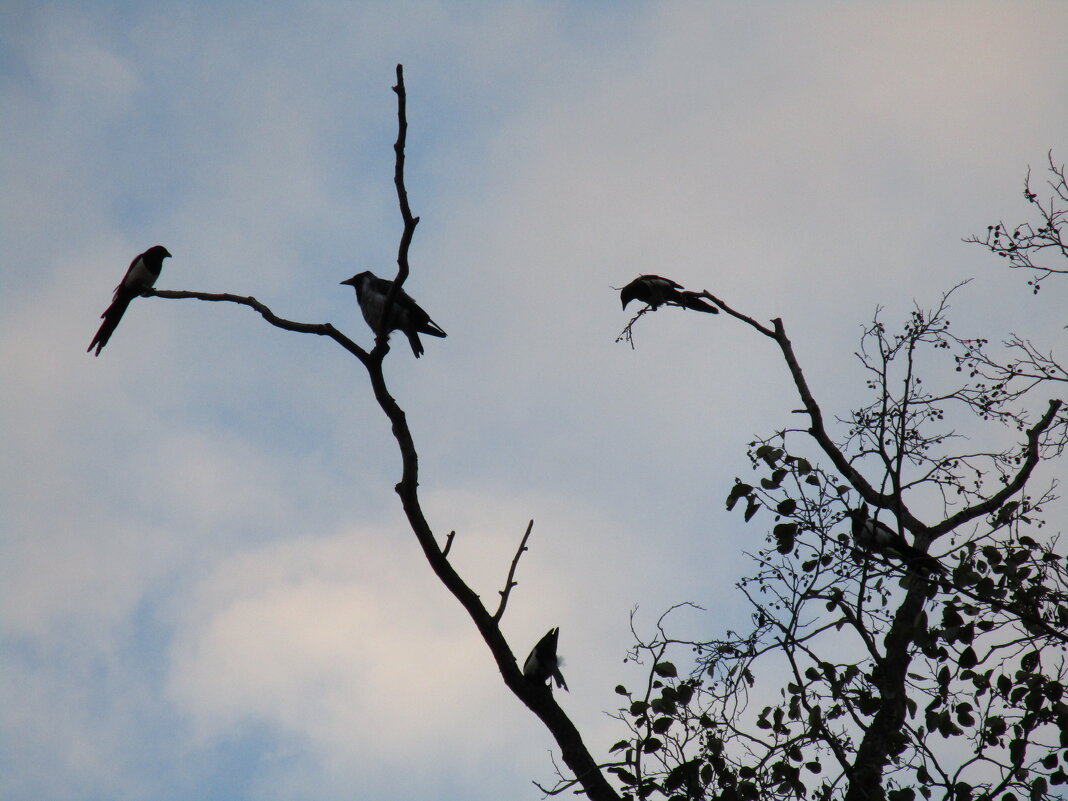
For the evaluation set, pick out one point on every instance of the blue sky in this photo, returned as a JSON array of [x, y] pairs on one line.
[[206, 586]]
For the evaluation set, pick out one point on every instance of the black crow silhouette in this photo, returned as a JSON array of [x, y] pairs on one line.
[[543, 663], [872, 535], [404, 315], [656, 290]]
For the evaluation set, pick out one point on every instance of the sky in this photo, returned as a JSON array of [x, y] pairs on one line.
[[207, 589]]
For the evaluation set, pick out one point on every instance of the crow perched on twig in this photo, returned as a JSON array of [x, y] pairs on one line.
[[656, 290], [404, 315], [871, 535], [543, 663]]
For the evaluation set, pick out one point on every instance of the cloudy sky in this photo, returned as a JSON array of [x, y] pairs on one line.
[[206, 586]]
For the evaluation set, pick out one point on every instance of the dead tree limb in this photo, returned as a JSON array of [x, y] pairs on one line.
[[538, 698], [510, 581]]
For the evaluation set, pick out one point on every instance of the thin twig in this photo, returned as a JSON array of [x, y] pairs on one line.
[[627, 334], [511, 573]]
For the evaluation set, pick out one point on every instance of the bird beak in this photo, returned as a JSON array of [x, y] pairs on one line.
[[349, 281]]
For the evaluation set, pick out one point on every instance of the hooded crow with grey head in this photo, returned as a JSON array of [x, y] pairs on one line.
[[404, 315]]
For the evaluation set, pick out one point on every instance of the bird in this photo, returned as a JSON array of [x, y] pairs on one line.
[[656, 290], [141, 276], [872, 535], [404, 315], [543, 664]]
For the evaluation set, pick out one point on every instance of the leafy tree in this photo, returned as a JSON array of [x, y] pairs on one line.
[[863, 676]]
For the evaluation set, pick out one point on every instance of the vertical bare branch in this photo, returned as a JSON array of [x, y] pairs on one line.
[[538, 699], [510, 582], [381, 346]]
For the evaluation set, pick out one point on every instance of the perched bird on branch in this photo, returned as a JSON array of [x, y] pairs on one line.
[[404, 315], [872, 535], [655, 291], [141, 276], [543, 663]]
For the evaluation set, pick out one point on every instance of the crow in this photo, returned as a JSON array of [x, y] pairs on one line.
[[543, 664], [655, 290], [872, 535], [404, 315]]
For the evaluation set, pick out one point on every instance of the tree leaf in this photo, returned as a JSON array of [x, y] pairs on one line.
[[751, 509], [739, 490], [666, 669], [661, 725], [968, 659], [784, 536]]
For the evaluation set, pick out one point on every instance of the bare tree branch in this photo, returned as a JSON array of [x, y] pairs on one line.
[[320, 329], [509, 583], [996, 500], [891, 500], [406, 212], [538, 698]]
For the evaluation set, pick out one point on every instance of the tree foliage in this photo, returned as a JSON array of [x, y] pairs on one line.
[[1039, 247], [859, 677]]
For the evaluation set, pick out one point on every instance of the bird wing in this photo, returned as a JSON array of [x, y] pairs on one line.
[[659, 279], [412, 316], [695, 301]]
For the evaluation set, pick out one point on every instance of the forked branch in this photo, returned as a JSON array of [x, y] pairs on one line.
[[818, 431], [536, 697]]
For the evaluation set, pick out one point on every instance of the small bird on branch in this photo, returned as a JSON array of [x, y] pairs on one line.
[[656, 291], [141, 276], [543, 663], [404, 315], [871, 535]]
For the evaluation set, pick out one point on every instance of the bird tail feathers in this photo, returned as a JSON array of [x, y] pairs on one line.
[[414, 341], [433, 329], [695, 301], [111, 317]]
